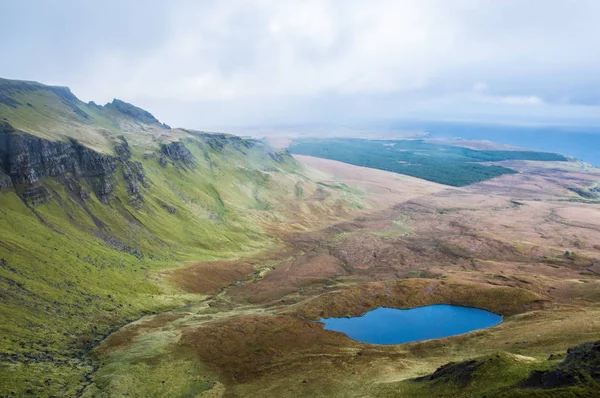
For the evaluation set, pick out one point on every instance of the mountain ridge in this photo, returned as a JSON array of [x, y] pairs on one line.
[[55, 113], [11, 87]]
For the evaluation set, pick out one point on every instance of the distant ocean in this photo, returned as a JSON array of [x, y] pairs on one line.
[[579, 142]]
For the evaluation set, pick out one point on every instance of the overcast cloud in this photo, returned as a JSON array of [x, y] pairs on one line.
[[203, 64]]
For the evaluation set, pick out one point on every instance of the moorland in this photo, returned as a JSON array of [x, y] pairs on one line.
[[144, 260]]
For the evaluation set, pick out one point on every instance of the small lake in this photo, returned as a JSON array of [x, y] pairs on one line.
[[393, 326]]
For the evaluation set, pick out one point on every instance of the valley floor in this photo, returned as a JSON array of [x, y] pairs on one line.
[[521, 245]]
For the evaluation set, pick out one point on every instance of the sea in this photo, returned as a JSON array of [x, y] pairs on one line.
[[579, 142]]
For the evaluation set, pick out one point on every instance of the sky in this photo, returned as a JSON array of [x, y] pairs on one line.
[[206, 64]]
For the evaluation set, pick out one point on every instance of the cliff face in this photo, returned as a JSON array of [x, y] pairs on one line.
[[176, 151], [4, 180], [25, 160]]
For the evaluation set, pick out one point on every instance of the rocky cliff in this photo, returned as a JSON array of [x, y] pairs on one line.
[[177, 152], [26, 160]]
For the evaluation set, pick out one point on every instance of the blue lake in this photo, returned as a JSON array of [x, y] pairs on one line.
[[393, 326]]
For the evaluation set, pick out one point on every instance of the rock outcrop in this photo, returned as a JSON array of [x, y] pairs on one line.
[[5, 181], [134, 112], [177, 152], [99, 170], [36, 195], [122, 149], [25, 159], [460, 373], [581, 364]]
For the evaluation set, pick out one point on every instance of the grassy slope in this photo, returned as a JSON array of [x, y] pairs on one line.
[[72, 271], [54, 113], [443, 164], [491, 375], [497, 375]]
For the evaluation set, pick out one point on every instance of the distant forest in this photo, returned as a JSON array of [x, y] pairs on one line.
[[444, 164]]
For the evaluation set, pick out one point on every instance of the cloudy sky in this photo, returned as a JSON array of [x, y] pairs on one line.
[[203, 64]]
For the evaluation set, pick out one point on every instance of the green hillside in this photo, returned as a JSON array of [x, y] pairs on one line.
[[502, 374], [55, 113], [95, 201]]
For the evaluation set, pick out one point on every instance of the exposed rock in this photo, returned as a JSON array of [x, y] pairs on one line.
[[460, 373], [74, 186], [138, 114], [162, 161], [25, 159], [5, 181], [279, 157], [167, 207], [216, 141], [134, 175], [177, 152], [581, 364], [137, 201], [98, 169], [36, 195], [122, 149]]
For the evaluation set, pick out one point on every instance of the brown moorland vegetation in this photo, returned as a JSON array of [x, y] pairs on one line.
[[524, 246]]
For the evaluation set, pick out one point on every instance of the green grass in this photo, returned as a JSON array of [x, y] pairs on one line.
[[153, 367], [52, 113], [493, 375], [497, 375], [444, 164]]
